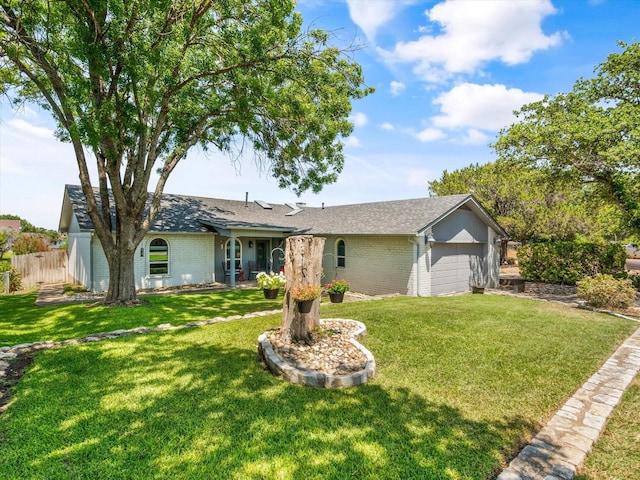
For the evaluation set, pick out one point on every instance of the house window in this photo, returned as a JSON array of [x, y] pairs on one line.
[[158, 257], [238, 255], [341, 254]]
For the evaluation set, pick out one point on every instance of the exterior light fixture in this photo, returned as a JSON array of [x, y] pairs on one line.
[[429, 239]]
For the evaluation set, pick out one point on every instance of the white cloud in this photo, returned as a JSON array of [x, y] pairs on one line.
[[371, 15], [418, 177], [352, 141], [475, 137], [396, 88], [482, 107], [474, 33], [359, 119], [429, 135], [387, 126], [22, 128]]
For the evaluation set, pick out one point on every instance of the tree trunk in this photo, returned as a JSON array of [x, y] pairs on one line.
[[122, 285], [303, 266], [120, 257]]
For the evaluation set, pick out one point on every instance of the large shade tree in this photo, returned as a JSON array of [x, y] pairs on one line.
[[136, 84], [530, 205], [591, 134]]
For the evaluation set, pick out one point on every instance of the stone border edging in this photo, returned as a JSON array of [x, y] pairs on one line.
[[560, 448], [312, 378]]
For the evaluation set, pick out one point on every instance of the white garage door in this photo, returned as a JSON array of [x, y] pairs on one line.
[[451, 266]]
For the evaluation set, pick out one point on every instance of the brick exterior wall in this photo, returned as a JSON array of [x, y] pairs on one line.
[[192, 260], [375, 265]]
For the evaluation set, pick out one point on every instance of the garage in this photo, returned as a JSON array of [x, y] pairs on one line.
[[451, 266]]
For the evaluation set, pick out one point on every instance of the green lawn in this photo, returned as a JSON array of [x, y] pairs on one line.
[[462, 382], [23, 323]]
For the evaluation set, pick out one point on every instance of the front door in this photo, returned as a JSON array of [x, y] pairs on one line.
[[262, 254]]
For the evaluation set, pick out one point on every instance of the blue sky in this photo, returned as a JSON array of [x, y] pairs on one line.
[[448, 75]]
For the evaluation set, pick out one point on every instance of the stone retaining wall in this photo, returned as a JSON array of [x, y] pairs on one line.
[[536, 288]]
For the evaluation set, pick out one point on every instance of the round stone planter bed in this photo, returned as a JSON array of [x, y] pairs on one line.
[[332, 358]]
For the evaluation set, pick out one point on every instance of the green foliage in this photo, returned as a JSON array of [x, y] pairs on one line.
[[568, 262], [337, 286], [270, 280], [530, 206], [4, 244], [139, 83], [15, 279], [589, 135], [304, 293], [29, 243], [605, 291], [635, 280], [26, 227]]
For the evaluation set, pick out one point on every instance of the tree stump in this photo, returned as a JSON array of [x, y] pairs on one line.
[[303, 266]]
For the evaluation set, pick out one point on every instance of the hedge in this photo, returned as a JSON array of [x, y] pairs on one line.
[[566, 263]]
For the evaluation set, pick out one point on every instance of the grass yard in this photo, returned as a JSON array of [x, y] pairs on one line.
[[21, 322], [462, 382]]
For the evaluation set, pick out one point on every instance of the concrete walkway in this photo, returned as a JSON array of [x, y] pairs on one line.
[[51, 294], [560, 448]]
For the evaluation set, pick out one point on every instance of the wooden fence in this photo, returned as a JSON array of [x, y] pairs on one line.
[[42, 267]]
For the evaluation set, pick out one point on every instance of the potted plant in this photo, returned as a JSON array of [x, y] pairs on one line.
[[270, 283], [336, 290], [304, 295]]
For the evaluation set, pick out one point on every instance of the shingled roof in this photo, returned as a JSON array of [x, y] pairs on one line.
[[188, 214]]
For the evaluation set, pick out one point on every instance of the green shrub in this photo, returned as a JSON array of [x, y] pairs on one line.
[[29, 243], [605, 291], [568, 262], [15, 280], [635, 280]]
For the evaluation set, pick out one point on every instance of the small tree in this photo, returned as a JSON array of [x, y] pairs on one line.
[[7, 237], [30, 243]]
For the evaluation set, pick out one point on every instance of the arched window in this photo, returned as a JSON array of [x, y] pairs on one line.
[[341, 254], [238, 254], [158, 257]]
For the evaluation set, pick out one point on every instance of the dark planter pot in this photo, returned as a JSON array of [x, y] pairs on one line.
[[304, 306], [270, 293], [336, 297], [477, 289]]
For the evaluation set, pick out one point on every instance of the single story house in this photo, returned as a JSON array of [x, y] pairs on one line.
[[426, 246]]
